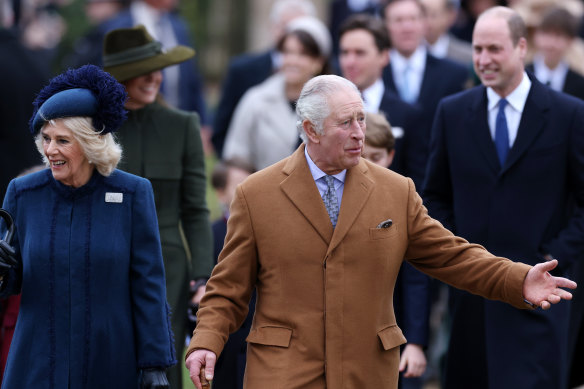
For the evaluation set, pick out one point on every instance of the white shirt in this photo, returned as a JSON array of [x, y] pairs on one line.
[[556, 77], [440, 48], [318, 176], [417, 63], [513, 110], [373, 95]]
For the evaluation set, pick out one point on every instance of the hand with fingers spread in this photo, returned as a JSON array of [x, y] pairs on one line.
[[542, 289], [201, 365]]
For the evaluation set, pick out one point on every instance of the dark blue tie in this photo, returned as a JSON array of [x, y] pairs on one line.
[[502, 133]]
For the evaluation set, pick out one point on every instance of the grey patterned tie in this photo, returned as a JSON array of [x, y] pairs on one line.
[[330, 200]]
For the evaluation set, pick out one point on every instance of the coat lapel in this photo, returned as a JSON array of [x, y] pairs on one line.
[[477, 122], [301, 189], [357, 189], [533, 121]]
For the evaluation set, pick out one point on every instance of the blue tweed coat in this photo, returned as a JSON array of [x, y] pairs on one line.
[[93, 308]]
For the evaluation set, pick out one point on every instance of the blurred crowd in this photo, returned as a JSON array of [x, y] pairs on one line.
[[404, 56]]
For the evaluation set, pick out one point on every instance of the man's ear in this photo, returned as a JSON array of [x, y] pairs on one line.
[[310, 131]]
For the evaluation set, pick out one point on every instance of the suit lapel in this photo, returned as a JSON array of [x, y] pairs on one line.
[[301, 189], [477, 122], [357, 189], [533, 120]]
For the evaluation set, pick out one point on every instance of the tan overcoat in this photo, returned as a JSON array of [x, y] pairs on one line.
[[324, 315]]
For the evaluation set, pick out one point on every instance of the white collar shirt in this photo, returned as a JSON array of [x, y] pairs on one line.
[[417, 64], [554, 78], [373, 95], [513, 110], [440, 48]]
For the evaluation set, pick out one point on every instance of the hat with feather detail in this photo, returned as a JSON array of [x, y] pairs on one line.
[[86, 91]]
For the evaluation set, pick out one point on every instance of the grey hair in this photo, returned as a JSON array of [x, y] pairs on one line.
[[101, 150], [280, 7], [312, 105]]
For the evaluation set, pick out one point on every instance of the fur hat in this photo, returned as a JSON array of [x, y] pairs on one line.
[[86, 91], [132, 52]]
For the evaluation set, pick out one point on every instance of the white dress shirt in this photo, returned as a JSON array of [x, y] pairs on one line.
[[417, 64], [440, 48], [318, 176], [555, 77], [513, 110], [373, 95]]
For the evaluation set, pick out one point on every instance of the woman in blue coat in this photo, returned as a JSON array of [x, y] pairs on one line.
[[88, 259]]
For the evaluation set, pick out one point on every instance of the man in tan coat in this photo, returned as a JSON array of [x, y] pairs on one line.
[[324, 315]]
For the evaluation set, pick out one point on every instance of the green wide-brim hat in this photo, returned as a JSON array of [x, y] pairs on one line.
[[132, 52]]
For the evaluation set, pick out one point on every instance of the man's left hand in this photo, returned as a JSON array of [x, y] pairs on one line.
[[542, 289]]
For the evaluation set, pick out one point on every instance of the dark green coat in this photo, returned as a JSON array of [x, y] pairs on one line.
[[164, 145]]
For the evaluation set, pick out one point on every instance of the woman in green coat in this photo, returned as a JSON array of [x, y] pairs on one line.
[[164, 145]]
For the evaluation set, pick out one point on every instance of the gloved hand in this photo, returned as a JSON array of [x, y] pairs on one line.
[[7, 252], [7, 258], [154, 379]]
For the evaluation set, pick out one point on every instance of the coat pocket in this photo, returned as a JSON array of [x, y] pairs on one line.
[[382, 233], [391, 337], [270, 336]]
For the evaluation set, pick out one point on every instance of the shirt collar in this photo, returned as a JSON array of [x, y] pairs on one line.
[[516, 99], [417, 60], [317, 174], [440, 47], [373, 94]]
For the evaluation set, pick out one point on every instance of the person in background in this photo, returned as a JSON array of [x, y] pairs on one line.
[[248, 70], [263, 129], [21, 77], [507, 171], [414, 74], [86, 252], [552, 40], [440, 16], [364, 53], [164, 145], [341, 10], [87, 48], [182, 87], [410, 298], [230, 367]]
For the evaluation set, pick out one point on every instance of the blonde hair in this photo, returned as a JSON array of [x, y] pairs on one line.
[[101, 150]]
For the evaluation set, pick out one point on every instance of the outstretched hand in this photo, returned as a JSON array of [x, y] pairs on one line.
[[542, 289], [201, 365]]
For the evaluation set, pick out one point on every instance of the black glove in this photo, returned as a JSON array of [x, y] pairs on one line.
[[7, 253], [7, 257], [154, 379]]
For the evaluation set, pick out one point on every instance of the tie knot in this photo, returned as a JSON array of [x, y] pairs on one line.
[[330, 181], [503, 103]]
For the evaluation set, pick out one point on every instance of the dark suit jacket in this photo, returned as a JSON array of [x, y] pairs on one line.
[[442, 77], [530, 206], [230, 366], [244, 72], [191, 87], [407, 117], [573, 85]]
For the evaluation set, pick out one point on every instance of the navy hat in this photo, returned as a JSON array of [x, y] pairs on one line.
[[86, 91]]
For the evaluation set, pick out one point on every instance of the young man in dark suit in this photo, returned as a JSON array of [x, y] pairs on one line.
[[364, 47], [416, 76], [507, 171]]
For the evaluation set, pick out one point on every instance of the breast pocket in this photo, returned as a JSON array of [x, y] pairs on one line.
[[383, 233]]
